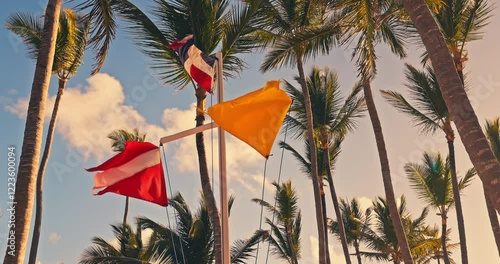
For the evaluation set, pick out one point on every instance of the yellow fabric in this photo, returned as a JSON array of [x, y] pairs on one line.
[[254, 118]]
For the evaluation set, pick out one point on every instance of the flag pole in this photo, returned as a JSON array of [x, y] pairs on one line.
[[222, 169]]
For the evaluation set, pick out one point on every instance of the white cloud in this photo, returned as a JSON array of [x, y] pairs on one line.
[[12, 92], [86, 115], [54, 237]]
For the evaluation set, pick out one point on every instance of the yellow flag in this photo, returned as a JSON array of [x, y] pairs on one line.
[[254, 118]]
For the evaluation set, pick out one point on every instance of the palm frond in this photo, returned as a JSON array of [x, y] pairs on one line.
[[120, 137], [103, 30], [242, 250], [467, 179], [492, 129], [397, 100], [29, 28]]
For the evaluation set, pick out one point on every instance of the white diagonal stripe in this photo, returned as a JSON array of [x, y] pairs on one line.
[[116, 174]]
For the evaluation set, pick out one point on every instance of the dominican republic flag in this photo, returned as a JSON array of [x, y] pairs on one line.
[[136, 172], [199, 65]]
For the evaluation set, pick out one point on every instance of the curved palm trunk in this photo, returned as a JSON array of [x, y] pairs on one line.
[[458, 202], [443, 238], [125, 213], [204, 176], [37, 229], [26, 179], [358, 254], [338, 214], [314, 165], [386, 173], [458, 104], [325, 223], [495, 226]]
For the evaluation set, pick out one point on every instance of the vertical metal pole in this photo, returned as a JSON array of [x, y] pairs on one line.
[[222, 169]]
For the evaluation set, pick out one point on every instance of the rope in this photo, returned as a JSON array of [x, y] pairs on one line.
[[261, 209], [175, 213], [279, 179]]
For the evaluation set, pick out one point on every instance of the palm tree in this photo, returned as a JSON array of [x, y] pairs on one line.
[[355, 222], [432, 181], [460, 21], [119, 139], [332, 119], [214, 24], [192, 241], [372, 22], [456, 99], [492, 129], [431, 248], [381, 239], [285, 233], [428, 111], [30, 153], [295, 31], [70, 47], [129, 249]]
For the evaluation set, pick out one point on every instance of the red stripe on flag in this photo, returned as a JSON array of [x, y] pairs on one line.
[[202, 78], [148, 185]]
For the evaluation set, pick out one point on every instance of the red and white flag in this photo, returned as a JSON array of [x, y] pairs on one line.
[[197, 64], [136, 172]]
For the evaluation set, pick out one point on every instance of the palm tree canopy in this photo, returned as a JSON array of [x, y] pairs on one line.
[[461, 21], [331, 111], [381, 239], [305, 163], [356, 221], [369, 23], [214, 23], [71, 39], [432, 180], [195, 232], [493, 133], [293, 29], [426, 105], [130, 248], [288, 223], [120, 137]]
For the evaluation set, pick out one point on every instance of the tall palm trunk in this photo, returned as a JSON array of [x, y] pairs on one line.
[[125, 213], [336, 206], [323, 251], [458, 104], [386, 173], [323, 206], [37, 229], [204, 177], [495, 226], [26, 179], [358, 254], [443, 238], [456, 197]]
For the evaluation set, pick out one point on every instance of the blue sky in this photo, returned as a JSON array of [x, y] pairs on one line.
[[128, 95]]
